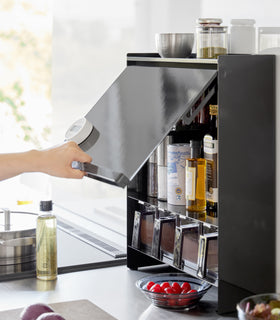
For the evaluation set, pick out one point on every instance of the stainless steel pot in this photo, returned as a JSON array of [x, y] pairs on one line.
[[17, 237]]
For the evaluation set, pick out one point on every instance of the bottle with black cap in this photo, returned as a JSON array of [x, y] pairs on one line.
[[46, 243], [196, 179]]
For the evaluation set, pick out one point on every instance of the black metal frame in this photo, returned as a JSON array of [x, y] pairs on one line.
[[247, 168]]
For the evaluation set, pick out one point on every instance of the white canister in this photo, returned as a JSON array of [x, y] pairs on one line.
[[242, 36], [176, 163]]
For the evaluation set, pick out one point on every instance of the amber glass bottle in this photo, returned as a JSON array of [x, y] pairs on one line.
[[196, 179], [210, 148]]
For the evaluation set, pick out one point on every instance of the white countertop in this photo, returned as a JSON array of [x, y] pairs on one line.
[[112, 289]]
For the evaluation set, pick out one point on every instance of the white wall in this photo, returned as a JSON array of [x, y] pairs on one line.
[[265, 12]]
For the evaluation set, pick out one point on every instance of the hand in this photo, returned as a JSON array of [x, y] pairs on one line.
[[57, 161]]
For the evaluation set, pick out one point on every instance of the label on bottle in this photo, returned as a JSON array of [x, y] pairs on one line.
[[176, 162], [190, 183], [210, 145], [211, 155]]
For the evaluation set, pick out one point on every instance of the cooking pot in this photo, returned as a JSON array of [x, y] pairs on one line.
[[17, 237]]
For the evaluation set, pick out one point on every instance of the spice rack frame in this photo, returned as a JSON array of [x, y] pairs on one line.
[[247, 171]]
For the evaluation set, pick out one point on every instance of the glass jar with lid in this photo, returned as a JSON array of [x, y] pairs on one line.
[[211, 38]]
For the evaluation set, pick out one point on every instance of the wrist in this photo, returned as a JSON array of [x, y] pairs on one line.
[[33, 161]]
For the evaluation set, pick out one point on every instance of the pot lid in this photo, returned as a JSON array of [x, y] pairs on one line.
[[17, 221]]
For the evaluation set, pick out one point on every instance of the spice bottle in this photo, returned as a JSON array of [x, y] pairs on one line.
[[152, 187], [46, 243], [162, 168], [211, 38]]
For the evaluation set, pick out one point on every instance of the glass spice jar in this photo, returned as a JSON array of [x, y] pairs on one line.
[[211, 38]]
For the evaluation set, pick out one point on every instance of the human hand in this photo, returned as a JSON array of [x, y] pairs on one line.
[[57, 161]]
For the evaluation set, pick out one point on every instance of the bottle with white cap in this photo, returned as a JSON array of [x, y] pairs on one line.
[[242, 36]]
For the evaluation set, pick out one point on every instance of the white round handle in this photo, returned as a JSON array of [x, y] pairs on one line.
[[79, 131]]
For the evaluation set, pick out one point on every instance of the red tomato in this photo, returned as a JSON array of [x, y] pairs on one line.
[[176, 287], [156, 288], [149, 285], [169, 290], [165, 285], [192, 291], [186, 286], [185, 291], [182, 302], [171, 302]]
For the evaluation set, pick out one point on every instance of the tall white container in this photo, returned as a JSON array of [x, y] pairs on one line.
[[176, 163], [242, 36]]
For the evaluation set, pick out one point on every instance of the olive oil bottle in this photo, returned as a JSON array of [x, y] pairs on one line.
[[46, 243], [196, 179]]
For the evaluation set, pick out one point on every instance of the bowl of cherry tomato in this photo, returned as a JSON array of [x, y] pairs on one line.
[[173, 290]]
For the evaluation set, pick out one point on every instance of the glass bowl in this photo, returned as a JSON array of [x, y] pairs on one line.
[[174, 301], [259, 307]]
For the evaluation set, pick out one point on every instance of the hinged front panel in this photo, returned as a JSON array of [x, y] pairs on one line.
[[137, 112]]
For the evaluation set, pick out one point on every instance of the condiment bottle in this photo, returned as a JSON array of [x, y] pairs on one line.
[[210, 148], [176, 161], [195, 179], [152, 187], [162, 168], [46, 243], [242, 36], [211, 38]]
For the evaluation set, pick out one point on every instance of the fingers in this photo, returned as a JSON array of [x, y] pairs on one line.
[[78, 154], [76, 174]]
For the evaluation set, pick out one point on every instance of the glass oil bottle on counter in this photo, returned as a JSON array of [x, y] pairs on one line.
[[210, 148], [195, 179], [46, 243]]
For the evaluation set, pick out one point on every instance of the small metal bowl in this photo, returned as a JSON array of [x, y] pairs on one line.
[[174, 45]]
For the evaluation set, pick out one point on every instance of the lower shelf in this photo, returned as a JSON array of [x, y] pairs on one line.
[[137, 259]]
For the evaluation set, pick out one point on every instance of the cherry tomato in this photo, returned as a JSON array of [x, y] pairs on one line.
[[182, 302], [185, 291], [186, 286], [176, 287], [169, 290], [192, 291], [149, 285], [156, 288], [165, 285], [171, 302]]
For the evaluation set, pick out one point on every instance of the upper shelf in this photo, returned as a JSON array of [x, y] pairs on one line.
[[154, 57]]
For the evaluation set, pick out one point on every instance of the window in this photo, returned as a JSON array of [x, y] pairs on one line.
[[25, 84]]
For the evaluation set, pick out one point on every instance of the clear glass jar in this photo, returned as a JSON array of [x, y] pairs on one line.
[[211, 38]]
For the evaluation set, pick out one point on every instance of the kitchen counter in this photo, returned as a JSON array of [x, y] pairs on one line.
[[111, 289]]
